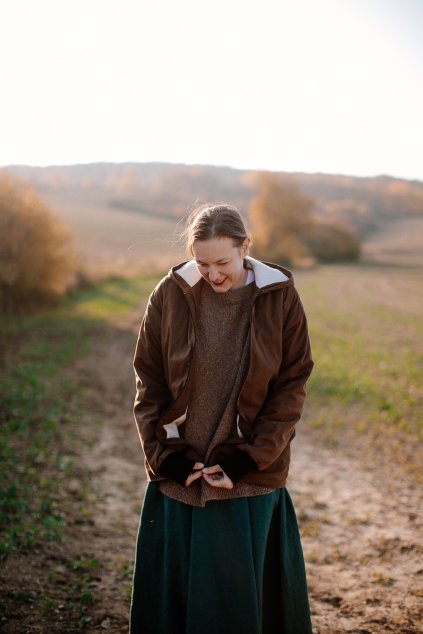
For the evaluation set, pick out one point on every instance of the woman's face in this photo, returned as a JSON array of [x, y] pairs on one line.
[[221, 263]]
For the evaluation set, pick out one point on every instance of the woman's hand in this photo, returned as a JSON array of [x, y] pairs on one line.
[[196, 473], [217, 478]]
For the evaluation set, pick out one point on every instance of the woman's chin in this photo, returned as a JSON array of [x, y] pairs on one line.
[[220, 288]]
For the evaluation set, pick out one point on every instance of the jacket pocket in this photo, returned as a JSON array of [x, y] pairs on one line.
[[243, 428], [171, 428], [238, 429]]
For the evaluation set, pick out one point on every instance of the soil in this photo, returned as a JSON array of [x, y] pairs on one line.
[[360, 519], [361, 524]]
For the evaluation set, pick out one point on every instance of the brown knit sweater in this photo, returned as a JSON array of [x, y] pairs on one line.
[[220, 365]]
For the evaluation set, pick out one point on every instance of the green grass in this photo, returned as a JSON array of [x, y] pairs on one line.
[[368, 375], [36, 408], [368, 356], [113, 298], [42, 408]]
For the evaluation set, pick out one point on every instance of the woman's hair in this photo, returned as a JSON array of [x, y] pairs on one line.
[[214, 221]]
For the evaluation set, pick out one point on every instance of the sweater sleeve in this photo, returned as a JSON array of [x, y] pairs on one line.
[[176, 467], [237, 464]]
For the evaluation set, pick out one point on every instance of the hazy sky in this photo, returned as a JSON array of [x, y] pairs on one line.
[[333, 86]]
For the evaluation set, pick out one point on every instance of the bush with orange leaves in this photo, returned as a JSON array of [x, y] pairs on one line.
[[37, 258], [286, 230]]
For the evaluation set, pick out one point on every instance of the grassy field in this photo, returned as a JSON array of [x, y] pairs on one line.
[[42, 409], [366, 329], [110, 239], [366, 334], [45, 422]]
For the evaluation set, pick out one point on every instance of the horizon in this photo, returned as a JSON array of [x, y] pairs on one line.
[[209, 165]]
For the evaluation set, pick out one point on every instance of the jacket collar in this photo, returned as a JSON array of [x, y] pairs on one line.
[[265, 274]]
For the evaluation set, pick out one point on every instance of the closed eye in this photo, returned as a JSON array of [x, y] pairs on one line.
[[219, 263]]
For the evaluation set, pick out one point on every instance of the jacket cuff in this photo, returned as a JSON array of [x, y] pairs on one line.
[[237, 464], [176, 467]]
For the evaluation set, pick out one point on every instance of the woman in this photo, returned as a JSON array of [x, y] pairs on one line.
[[221, 363]]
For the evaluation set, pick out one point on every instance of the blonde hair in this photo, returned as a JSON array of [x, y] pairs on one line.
[[214, 221]]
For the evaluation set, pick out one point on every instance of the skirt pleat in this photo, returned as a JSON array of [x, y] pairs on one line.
[[232, 566]]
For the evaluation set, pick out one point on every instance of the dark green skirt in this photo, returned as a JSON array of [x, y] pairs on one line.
[[233, 567]]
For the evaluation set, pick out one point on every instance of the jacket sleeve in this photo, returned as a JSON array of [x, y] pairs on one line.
[[153, 395], [273, 428]]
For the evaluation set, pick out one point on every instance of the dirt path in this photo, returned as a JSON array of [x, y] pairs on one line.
[[362, 533], [361, 530], [118, 478]]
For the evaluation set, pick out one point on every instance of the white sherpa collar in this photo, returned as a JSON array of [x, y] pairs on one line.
[[264, 274], [189, 272]]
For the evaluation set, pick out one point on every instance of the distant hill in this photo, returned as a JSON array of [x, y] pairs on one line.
[[132, 210], [169, 190]]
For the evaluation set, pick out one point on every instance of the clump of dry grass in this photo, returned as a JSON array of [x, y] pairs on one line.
[[37, 257]]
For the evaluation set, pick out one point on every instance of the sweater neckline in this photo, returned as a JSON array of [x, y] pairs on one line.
[[231, 297]]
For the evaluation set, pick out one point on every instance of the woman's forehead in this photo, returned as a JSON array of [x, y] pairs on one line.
[[213, 249]]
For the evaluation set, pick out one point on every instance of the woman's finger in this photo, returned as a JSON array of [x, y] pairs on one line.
[[193, 476], [218, 480]]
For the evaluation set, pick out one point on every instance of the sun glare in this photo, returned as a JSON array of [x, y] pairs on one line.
[[304, 86]]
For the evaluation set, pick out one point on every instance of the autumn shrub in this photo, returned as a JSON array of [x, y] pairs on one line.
[[287, 230], [281, 216], [329, 242], [37, 258]]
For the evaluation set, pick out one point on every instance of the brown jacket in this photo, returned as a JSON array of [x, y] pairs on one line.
[[272, 396]]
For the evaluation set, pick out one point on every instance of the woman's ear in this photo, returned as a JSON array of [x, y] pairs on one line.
[[246, 247]]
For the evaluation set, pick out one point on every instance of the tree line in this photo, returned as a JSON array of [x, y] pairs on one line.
[[38, 264], [362, 204]]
